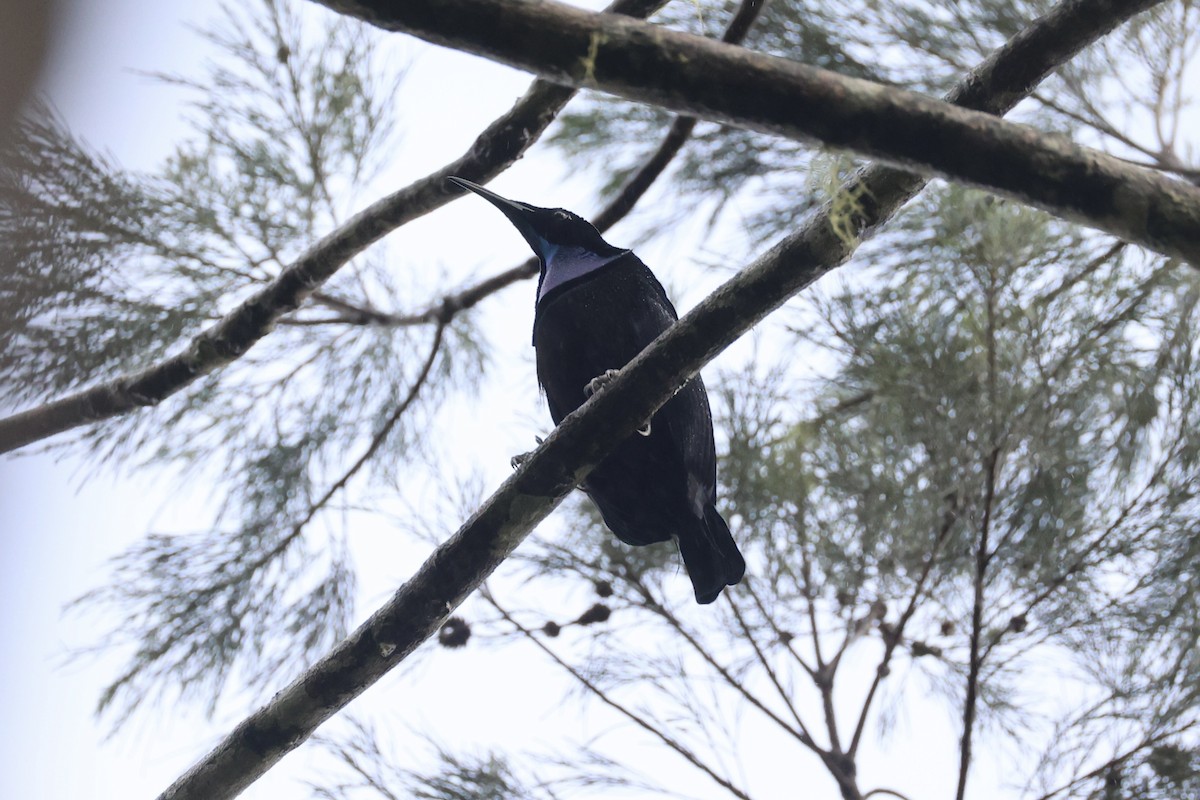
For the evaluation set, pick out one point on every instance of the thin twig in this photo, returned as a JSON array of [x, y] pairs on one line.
[[1088, 553], [892, 642], [975, 661], [784, 695], [1086, 272], [983, 552], [600, 694], [748, 587], [826, 672], [382, 434], [891, 792], [650, 603], [1117, 760], [232, 577]]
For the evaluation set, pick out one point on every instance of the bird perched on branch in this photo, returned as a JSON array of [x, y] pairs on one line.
[[598, 306]]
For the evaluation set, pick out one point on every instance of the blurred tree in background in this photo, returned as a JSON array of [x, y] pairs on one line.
[[966, 469]]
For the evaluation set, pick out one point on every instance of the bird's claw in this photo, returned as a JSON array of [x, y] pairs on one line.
[[599, 382], [520, 458]]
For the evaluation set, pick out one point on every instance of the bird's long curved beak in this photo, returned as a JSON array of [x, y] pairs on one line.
[[502, 203], [521, 215]]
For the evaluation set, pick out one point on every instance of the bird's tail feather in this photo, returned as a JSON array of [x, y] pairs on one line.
[[711, 557]]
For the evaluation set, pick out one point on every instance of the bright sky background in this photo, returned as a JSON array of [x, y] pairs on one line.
[[61, 522]]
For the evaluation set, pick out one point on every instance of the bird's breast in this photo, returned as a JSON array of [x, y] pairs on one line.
[[565, 265], [596, 323]]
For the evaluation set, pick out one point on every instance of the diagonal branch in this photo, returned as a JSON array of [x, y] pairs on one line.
[[461, 563], [693, 75], [493, 151]]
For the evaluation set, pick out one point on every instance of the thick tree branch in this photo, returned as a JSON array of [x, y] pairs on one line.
[[693, 75], [493, 151], [461, 564]]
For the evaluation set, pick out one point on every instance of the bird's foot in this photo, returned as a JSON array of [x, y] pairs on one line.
[[599, 382], [519, 459]]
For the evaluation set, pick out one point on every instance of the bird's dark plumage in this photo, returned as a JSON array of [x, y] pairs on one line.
[[598, 306]]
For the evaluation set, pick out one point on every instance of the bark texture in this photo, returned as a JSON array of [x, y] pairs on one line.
[[692, 75]]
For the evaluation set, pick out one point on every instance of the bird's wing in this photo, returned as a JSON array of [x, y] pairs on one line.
[[688, 420], [689, 424]]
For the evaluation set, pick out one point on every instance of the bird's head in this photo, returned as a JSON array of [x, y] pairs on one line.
[[567, 244]]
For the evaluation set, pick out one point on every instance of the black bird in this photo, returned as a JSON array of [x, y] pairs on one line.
[[598, 306]]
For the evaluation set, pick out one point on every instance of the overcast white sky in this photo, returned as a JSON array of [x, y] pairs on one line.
[[60, 523]]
